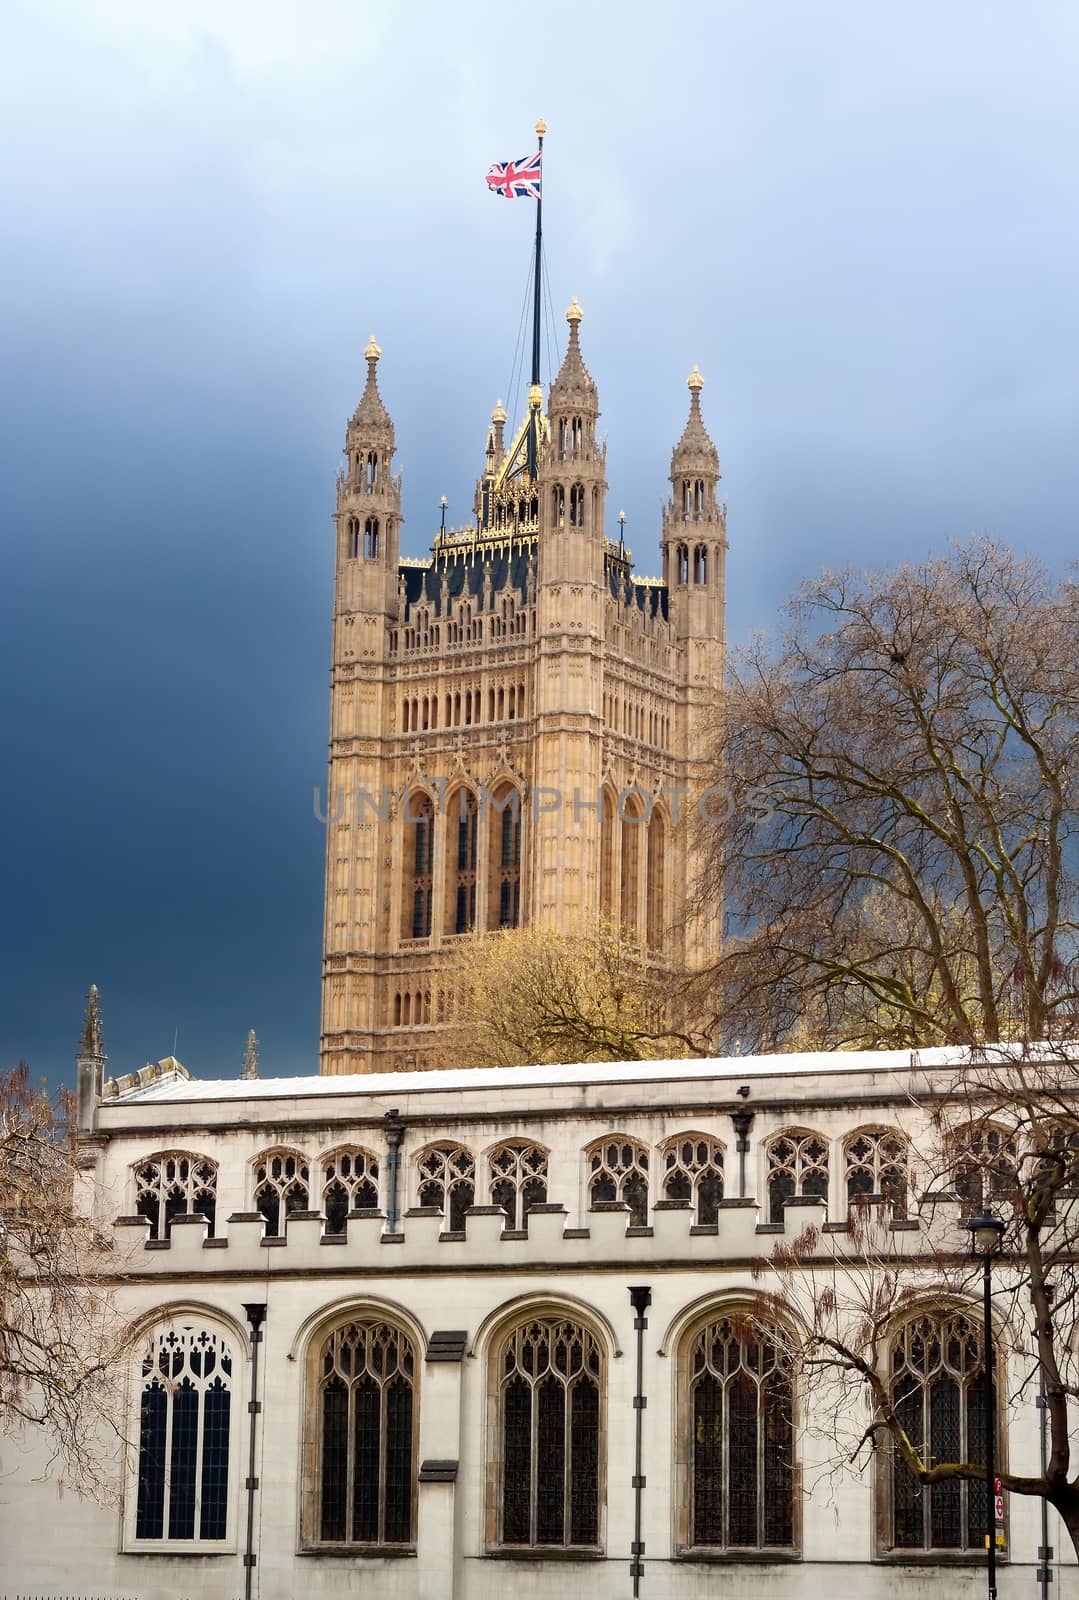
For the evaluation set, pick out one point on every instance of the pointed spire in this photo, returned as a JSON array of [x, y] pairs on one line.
[[695, 451], [251, 1057], [574, 388], [496, 438], [92, 1045], [371, 415]]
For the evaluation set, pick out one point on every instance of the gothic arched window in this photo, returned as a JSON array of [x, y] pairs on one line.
[[738, 1427], [558, 506], [372, 469], [447, 1175], [518, 1179], [797, 1165], [370, 537], [608, 848], [633, 826], [878, 1162], [281, 1188], [656, 871], [364, 1378], [681, 563], [937, 1390], [618, 1170], [504, 862], [349, 1183], [693, 1170], [549, 1372], [353, 538], [419, 841], [462, 834], [185, 1435], [700, 564], [986, 1166], [175, 1184], [576, 506]]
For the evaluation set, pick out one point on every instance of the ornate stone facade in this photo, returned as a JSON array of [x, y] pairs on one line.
[[517, 722]]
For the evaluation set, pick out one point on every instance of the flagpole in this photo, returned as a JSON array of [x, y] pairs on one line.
[[535, 397]]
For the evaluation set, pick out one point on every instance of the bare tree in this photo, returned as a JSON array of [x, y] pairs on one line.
[[539, 995], [1000, 1129], [916, 738], [62, 1339]]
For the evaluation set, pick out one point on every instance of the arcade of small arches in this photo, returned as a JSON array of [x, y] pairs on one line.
[[871, 1165], [639, 718], [694, 564], [462, 707], [461, 863], [363, 539]]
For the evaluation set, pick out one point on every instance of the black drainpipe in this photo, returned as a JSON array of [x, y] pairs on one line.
[[256, 1316], [640, 1298], [743, 1121], [395, 1133]]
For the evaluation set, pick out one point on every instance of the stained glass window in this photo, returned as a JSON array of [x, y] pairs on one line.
[[367, 1377], [175, 1184], [448, 1181], [185, 1421], [550, 1377], [742, 1457], [937, 1390], [693, 1170]]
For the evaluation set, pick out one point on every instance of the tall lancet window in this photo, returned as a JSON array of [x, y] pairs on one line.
[[462, 834], [576, 505], [504, 858], [549, 1375], [419, 844], [184, 1433]]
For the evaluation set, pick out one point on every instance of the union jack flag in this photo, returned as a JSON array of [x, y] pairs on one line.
[[516, 180]]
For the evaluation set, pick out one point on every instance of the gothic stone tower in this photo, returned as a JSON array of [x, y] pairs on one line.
[[518, 724]]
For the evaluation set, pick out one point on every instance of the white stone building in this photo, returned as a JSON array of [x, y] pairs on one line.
[[447, 1272]]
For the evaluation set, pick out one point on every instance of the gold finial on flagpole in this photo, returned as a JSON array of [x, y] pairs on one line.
[[541, 127]]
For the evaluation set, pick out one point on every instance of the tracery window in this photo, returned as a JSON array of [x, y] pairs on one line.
[[550, 1382], [518, 1179], [185, 1429], [175, 1183], [370, 537], [986, 1167], [741, 1438], [366, 1408], [504, 864], [349, 1183], [693, 1170], [462, 837], [576, 506], [618, 1170], [353, 527], [448, 1181], [797, 1165], [419, 861], [878, 1161], [937, 1390], [281, 1187]]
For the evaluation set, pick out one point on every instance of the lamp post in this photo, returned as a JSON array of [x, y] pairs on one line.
[[986, 1233]]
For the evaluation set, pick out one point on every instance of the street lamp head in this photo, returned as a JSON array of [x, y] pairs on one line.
[[986, 1233]]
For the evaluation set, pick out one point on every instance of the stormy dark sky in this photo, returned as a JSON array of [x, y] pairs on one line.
[[859, 218]]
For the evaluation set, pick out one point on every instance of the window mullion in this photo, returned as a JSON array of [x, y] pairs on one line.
[[383, 1457], [567, 1463], [726, 1460], [200, 1422], [350, 1463], [533, 1467]]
